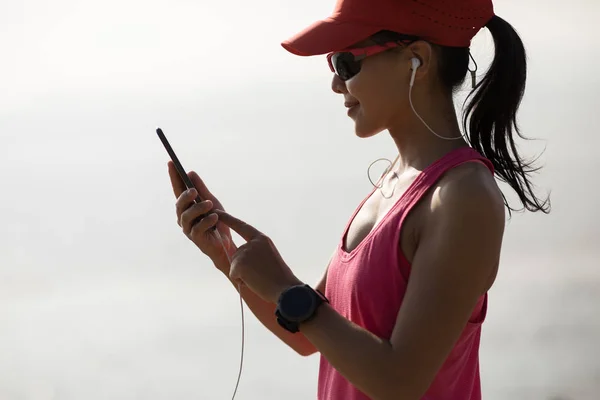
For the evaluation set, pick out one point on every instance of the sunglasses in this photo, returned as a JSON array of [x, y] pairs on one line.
[[346, 64]]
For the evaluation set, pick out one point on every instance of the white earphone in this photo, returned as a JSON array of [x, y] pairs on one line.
[[416, 63]]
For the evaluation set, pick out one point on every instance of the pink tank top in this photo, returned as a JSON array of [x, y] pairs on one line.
[[367, 285]]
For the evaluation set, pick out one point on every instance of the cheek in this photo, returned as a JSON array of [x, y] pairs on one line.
[[370, 117], [380, 98]]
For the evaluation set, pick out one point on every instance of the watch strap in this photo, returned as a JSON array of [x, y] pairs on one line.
[[293, 326]]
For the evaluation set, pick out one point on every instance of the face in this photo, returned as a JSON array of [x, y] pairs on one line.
[[377, 96]]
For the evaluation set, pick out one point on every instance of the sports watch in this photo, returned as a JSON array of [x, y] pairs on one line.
[[296, 305]]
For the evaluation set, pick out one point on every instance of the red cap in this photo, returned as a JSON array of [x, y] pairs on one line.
[[444, 22]]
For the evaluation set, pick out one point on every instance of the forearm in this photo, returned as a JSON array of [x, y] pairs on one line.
[[365, 360], [265, 312]]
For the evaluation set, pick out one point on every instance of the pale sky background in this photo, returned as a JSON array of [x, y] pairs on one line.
[[102, 297]]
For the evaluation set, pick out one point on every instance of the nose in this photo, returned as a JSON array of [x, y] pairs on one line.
[[338, 85]]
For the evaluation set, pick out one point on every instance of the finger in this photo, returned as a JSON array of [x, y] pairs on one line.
[[200, 227], [191, 216], [246, 231], [184, 201], [176, 183], [200, 186]]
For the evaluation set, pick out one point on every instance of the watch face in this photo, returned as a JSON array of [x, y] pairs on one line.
[[297, 303]]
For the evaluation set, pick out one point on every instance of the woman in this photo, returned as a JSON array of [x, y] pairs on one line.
[[398, 312]]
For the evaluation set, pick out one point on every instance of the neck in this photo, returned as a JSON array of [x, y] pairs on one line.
[[417, 146]]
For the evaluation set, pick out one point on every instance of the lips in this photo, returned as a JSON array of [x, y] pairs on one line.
[[350, 104]]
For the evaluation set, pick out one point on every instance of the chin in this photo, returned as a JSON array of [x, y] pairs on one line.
[[364, 135], [362, 129]]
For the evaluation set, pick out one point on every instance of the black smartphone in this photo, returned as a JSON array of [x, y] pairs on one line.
[[180, 170]]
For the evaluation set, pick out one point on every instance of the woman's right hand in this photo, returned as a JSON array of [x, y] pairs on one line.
[[197, 229]]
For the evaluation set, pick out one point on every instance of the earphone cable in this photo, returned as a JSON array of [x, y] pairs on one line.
[[218, 236]]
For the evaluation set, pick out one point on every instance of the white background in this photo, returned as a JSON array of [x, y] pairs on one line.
[[102, 297]]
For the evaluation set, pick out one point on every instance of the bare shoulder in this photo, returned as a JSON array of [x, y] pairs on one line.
[[471, 191], [465, 199]]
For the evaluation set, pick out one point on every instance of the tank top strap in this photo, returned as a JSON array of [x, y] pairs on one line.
[[434, 172]]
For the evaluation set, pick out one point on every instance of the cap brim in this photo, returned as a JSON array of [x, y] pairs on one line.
[[326, 36]]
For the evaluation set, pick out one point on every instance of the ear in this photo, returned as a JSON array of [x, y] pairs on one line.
[[423, 51]]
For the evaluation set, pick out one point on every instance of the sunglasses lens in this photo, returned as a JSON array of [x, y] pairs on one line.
[[345, 65]]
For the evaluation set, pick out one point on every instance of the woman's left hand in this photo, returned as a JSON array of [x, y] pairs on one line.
[[257, 263]]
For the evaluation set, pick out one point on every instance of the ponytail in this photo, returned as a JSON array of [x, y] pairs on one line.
[[490, 116]]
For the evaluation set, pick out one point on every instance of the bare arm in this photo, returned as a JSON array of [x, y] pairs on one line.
[[457, 254]]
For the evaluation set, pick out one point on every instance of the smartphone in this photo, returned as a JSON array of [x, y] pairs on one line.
[[180, 170]]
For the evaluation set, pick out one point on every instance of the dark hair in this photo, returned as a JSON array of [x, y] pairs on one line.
[[489, 119]]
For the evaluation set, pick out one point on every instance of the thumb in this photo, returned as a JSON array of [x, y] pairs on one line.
[[176, 182]]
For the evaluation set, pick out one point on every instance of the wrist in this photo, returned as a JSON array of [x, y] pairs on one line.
[[222, 266], [221, 261], [285, 286], [297, 305]]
